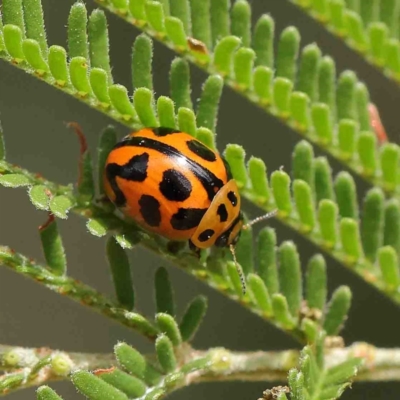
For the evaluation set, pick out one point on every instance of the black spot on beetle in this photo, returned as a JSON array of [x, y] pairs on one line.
[[205, 235], [150, 210], [187, 218], [134, 170], [175, 186], [163, 131], [232, 198], [200, 150], [222, 212]]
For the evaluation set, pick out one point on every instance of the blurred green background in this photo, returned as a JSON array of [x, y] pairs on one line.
[[34, 114]]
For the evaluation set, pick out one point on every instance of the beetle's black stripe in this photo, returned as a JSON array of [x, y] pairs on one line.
[[206, 177]]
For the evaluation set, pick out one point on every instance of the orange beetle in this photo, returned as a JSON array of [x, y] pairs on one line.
[[172, 184]]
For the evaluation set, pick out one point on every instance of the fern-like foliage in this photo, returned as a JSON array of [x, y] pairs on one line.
[[369, 27], [296, 84], [312, 379]]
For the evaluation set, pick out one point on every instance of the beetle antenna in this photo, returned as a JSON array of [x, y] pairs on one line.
[[238, 268], [260, 218]]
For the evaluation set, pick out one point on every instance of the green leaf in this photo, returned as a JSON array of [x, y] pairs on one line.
[[388, 263], [266, 255], [327, 83], [164, 293], [176, 32], [166, 112], [391, 235], [181, 10], [362, 103], [243, 63], [327, 219], [223, 52], [290, 276], [219, 14], [235, 156], [323, 179], [389, 160], [2, 145], [33, 55], [46, 393], [40, 196], [346, 195], [77, 36], [187, 121], [142, 57], [165, 354], [259, 293], [13, 41], [12, 13], [346, 95], [262, 84], [99, 83], [288, 49], [367, 152], [168, 325], [14, 180], [337, 311], [144, 105], [128, 384], [280, 183], [94, 388], [78, 70], [206, 136], [263, 41], [299, 110], [155, 16], [372, 223], [307, 80], [96, 227], [98, 42], [60, 205], [108, 139], [121, 274], [316, 282], [179, 81], [193, 317], [120, 100], [58, 65], [86, 182], [53, 248], [236, 277], [207, 108], [302, 162], [355, 30], [282, 90], [241, 21], [350, 239], [303, 198], [342, 372], [258, 179], [281, 311], [347, 133], [322, 122], [201, 21], [134, 363]]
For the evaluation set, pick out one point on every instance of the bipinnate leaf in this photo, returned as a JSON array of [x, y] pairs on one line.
[[303, 162], [40, 196], [14, 180], [267, 265], [290, 276], [164, 295], [121, 274], [193, 317], [53, 248], [388, 263], [259, 292], [142, 55], [282, 312]]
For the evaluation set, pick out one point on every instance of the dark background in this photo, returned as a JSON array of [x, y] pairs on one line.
[[33, 115]]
